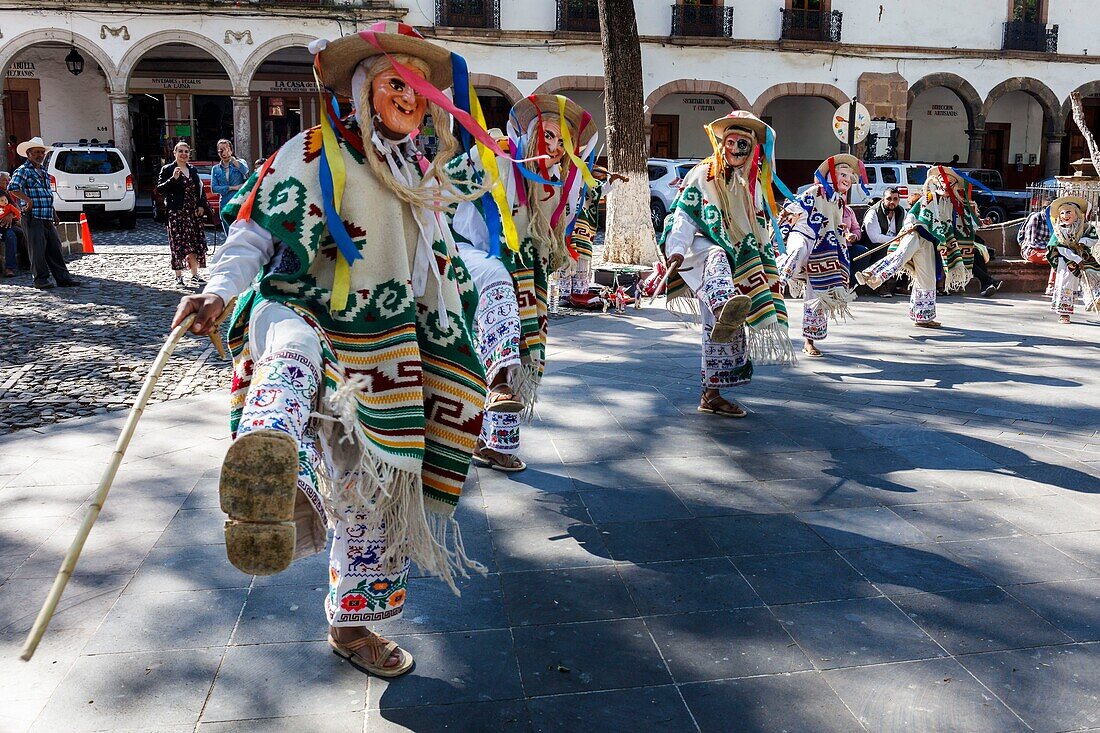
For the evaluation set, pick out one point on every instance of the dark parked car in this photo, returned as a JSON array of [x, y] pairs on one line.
[[1003, 205]]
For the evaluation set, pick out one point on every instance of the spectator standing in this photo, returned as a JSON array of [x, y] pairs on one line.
[[185, 204], [31, 186], [227, 177], [14, 161]]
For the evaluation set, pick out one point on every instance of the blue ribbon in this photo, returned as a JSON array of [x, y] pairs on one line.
[[828, 188], [333, 221]]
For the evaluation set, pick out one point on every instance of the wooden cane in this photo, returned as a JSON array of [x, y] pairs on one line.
[[68, 565], [884, 245], [661, 286]]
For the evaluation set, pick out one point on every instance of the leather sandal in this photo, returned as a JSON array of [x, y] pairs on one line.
[[369, 654], [488, 461], [1063, 319], [812, 351], [720, 406], [928, 324], [258, 488], [503, 402], [730, 317]]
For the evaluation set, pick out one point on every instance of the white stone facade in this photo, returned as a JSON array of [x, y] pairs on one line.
[[936, 70]]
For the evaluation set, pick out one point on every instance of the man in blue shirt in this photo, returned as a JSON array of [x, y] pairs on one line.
[[227, 177], [30, 186]]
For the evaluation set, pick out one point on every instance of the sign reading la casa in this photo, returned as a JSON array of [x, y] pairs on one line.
[[202, 86]]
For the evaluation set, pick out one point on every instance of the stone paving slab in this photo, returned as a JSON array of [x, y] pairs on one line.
[[902, 536]]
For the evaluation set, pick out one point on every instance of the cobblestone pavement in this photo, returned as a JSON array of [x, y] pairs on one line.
[[74, 352], [901, 537]]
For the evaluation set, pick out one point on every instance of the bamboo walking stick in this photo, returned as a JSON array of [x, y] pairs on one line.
[[68, 565]]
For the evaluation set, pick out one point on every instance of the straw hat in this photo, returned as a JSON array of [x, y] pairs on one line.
[[1063, 201], [529, 108], [739, 119], [340, 57], [34, 142], [838, 160]]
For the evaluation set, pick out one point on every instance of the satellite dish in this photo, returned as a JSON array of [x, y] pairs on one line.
[[841, 123]]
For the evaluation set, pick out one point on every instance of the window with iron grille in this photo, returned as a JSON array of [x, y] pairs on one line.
[[468, 13], [706, 18], [579, 16], [811, 20]]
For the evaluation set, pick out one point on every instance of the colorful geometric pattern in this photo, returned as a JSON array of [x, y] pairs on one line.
[[497, 328], [501, 432], [725, 365], [415, 385], [360, 591], [922, 305], [816, 217]]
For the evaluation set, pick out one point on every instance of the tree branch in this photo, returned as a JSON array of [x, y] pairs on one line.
[[1090, 141]]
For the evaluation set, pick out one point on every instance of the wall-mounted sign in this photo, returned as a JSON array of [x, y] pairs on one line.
[[182, 130], [180, 84], [284, 86], [943, 110], [22, 70], [705, 104]]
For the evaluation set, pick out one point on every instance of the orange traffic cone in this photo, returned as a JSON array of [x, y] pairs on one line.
[[86, 235]]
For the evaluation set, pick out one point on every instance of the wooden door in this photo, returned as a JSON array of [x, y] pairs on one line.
[[995, 147], [664, 136]]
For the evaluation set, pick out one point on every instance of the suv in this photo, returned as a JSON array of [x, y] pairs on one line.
[[665, 176], [906, 177], [91, 179], [1003, 204]]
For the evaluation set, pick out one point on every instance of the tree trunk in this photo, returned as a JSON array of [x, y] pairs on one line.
[[1090, 141], [628, 237]]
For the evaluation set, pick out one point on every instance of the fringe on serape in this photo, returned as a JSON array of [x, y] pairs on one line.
[[834, 302], [770, 344], [352, 472]]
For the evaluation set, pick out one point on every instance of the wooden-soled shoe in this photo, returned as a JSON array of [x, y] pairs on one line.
[[730, 318], [258, 486]]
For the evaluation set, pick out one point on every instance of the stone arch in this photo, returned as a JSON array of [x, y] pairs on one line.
[[22, 42], [265, 49], [1037, 90], [498, 84], [963, 89], [579, 83], [134, 55], [798, 89], [1088, 89], [695, 86]]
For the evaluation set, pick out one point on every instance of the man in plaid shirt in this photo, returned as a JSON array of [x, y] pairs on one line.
[[1033, 238], [31, 187]]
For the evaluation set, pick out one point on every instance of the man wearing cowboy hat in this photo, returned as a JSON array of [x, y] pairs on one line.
[[720, 250], [938, 232], [357, 393], [31, 187]]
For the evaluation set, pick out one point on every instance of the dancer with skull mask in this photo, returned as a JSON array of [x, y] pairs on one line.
[[510, 243], [357, 394], [721, 256], [816, 263], [1074, 254], [941, 223]]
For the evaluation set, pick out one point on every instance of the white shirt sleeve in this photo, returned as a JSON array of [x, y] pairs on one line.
[[872, 228], [681, 235], [247, 248]]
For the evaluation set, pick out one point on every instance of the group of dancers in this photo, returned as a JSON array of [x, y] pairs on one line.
[[390, 325]]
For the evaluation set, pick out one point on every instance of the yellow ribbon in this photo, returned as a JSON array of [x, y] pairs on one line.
[[341, 282], [567, 141], [488, 160]]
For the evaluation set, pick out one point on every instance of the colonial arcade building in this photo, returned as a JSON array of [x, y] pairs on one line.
[[985, 80]]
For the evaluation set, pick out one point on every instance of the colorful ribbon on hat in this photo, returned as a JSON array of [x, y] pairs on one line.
[[495, 207]]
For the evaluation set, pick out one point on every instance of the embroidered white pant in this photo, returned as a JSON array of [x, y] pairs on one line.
[[498, 334], [711, 279], [287, 353], [920, 256], [815, 318], [577, 277]]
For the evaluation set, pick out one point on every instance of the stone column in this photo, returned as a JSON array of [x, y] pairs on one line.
[[123, 131], [974, 157], [1054, 155], [242, 127], [3, 133]]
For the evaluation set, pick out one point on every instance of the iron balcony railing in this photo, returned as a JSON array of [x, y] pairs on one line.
[[467, 13], [811, 25], [1023, 36], [712, 21], [579, 16]]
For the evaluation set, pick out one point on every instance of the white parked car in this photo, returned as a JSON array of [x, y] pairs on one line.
[[665, 176], [906, 177], [91, 179]]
